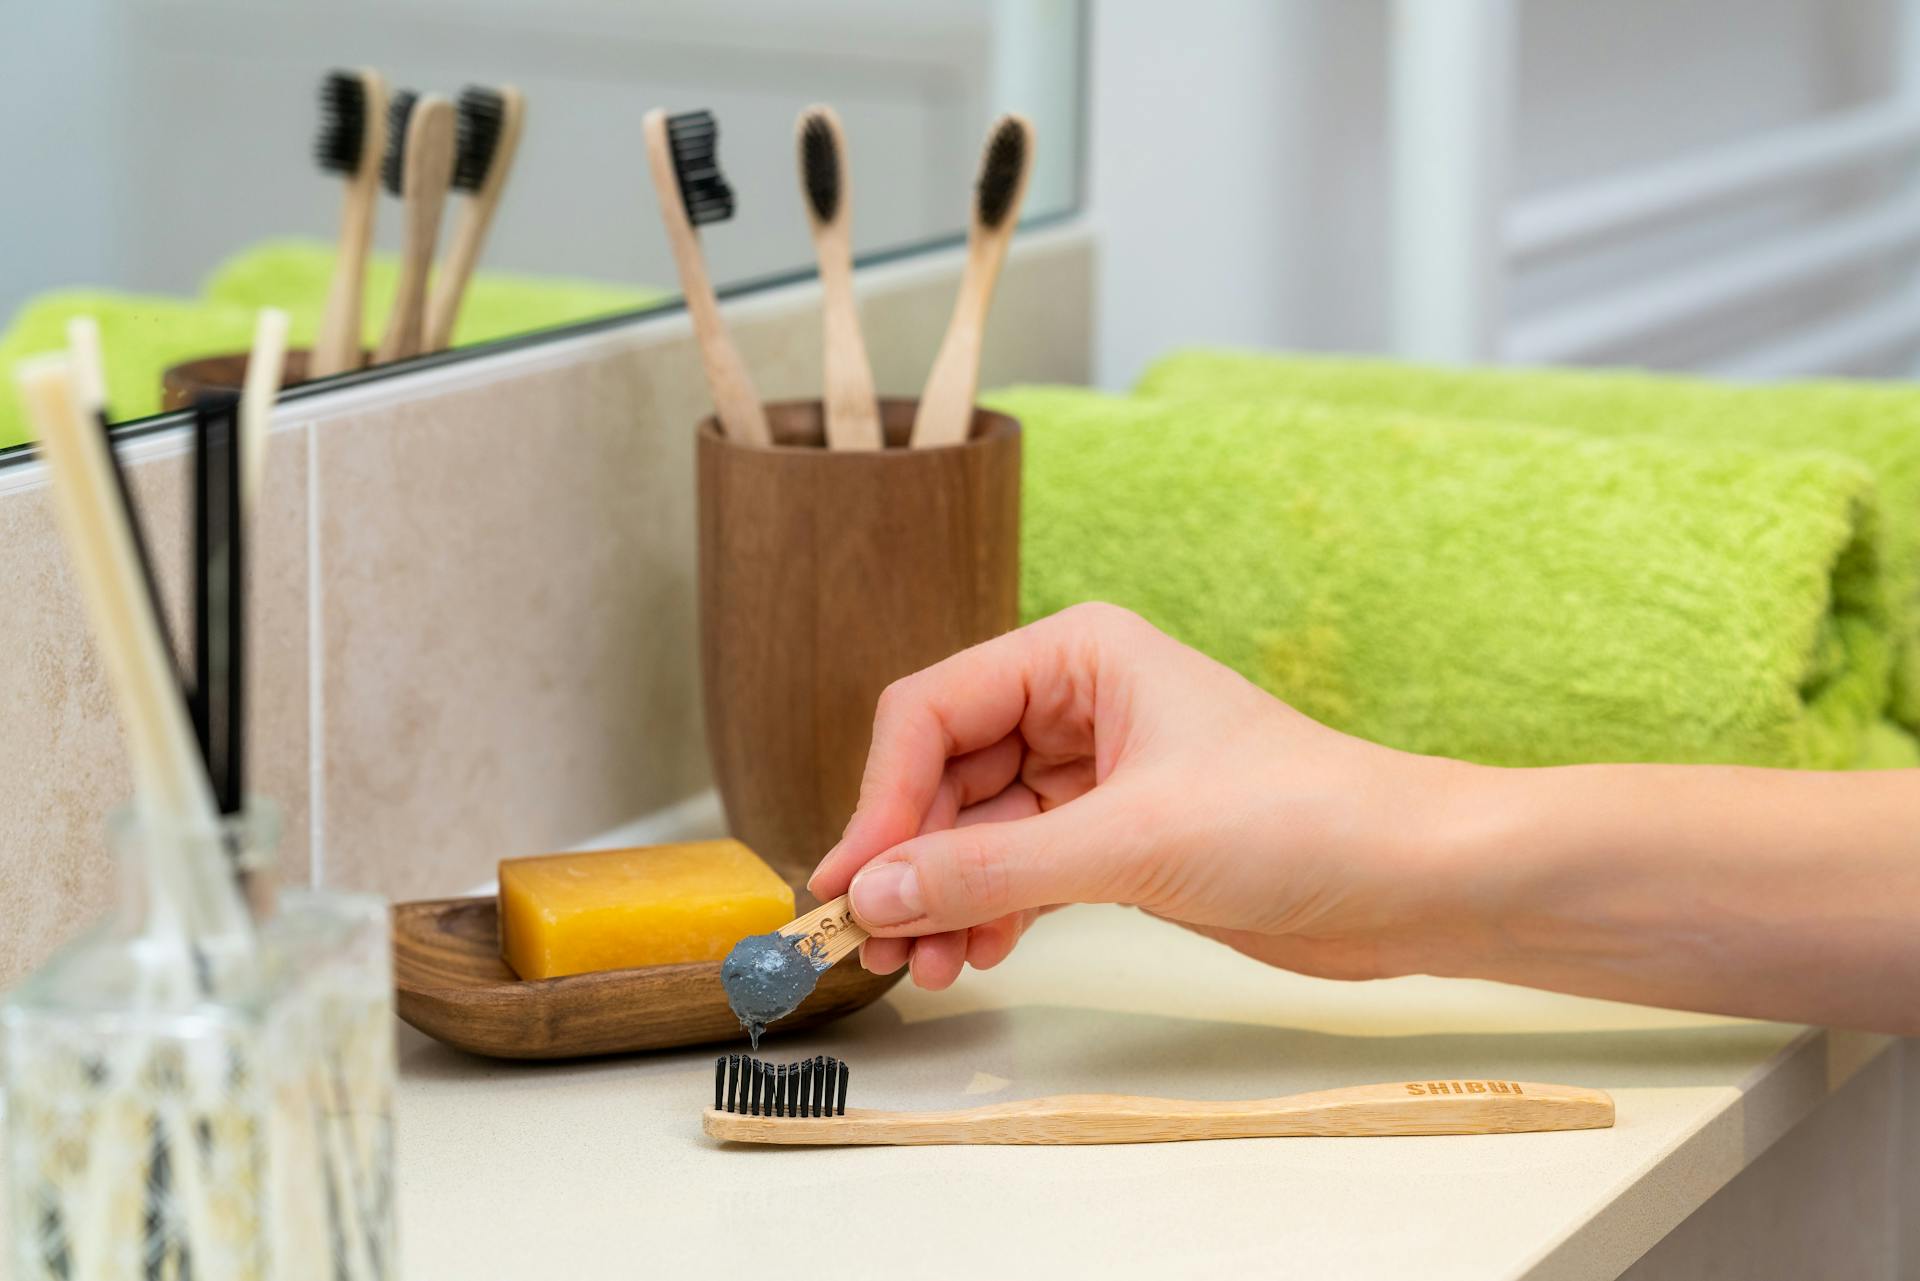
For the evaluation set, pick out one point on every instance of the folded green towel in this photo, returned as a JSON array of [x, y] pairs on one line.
[[1505, 594], [140, 336], [1877, 424], [294, 274]]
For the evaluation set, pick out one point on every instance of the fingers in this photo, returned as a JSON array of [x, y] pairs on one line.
[[968, 702], [1017, 801], [989, 944], [970, 875], [884, 956], [1039, 683], [977, 776], [937, 959]]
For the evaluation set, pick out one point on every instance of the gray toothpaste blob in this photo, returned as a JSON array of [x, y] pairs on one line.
[[766, 977]]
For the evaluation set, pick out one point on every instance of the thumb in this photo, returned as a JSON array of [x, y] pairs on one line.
[[965, 876]]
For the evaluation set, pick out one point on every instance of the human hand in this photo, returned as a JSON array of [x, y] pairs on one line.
[[1089, 757]]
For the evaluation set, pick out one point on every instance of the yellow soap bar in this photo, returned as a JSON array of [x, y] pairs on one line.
[[615, 909]]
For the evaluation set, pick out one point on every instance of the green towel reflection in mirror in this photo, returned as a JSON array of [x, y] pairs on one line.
[[1507, 594], [144, 334]]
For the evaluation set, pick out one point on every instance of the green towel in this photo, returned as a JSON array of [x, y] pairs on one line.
[[294, 274], [1876, 424], [1506, 594], [140, 336]]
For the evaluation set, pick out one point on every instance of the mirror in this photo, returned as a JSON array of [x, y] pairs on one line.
[[181, 192]]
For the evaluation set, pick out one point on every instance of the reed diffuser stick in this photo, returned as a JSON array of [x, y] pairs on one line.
[[266, 365]]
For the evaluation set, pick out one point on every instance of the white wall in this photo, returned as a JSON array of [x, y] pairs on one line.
[[1238, 169]]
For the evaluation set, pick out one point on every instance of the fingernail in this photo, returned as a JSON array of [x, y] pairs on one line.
[[887, 895]]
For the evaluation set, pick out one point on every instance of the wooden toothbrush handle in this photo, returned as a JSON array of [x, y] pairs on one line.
[[429, 171], [735, 403], [852, 408], [470, 234], [1398, 1108], [829, 930], [337, 348]]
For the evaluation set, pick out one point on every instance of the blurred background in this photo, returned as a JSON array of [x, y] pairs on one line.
[[1722, 186]]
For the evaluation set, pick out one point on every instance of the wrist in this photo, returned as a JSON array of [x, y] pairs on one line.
[[1454, 861]]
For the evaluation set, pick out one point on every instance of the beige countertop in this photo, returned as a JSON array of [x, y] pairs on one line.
[[593, 1169]]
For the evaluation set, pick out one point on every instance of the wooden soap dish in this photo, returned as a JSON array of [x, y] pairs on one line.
[[450, 982]]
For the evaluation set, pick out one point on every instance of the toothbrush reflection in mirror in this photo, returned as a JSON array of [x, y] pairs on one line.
[[945, 413], [418, 168], [806, 1103], [352, 143], [852, 410], [682, 153], [486, 136], [767, 976]]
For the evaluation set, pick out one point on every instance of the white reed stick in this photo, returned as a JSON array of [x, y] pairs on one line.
[[265, 367]]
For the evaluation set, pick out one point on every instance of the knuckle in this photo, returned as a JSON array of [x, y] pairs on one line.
[[892, 701], [1104, 616]]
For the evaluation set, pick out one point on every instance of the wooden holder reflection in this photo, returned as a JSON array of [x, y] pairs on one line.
[[183, 383]]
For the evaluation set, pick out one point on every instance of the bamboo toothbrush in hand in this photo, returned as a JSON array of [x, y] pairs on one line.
[[852, 410], [945, 413], [682, 154], [486, 137], [806, 1103], [418, 167], [352, 142]]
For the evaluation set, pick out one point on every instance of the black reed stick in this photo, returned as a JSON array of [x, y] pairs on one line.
[[219, 614]]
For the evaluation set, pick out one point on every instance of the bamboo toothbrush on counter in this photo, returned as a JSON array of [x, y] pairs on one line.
[[486, 136], [852, 410], [806, 1103], [682, 154], [945, 413], [418, 167], [353, 143]]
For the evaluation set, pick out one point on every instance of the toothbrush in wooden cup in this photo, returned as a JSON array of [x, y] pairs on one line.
[[945, 413], [486, 134], [852, 410], [682, 154], [418, 168], [805, 1103], [352, 143]]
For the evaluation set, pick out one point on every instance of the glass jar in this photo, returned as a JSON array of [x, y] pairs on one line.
[[202, 1085]]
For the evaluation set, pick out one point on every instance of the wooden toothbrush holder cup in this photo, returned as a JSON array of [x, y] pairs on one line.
[[182, 384], [825, 576]]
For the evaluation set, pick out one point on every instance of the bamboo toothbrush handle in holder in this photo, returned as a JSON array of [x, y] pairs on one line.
[[945, 415], [1399, 1108], [429, 171], [337, 348], [735, 403], [829, 931], [470, 234]]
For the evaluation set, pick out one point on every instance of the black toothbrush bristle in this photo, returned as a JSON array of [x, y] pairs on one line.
[[807, 1087], [393, 165], [343, 122], [693, 138], [820, 166], [1000, 171], [482, 116]]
